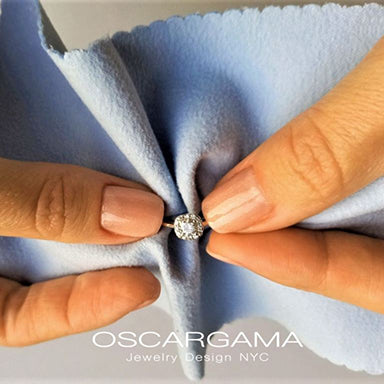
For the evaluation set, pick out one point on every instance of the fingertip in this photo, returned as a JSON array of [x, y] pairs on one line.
[[159, 216], [119, 291], [214, 254], [152, 284], [141, 287], [217, 247], [146, 303]]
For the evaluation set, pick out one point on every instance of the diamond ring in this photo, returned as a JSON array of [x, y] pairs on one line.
[[188, 226]]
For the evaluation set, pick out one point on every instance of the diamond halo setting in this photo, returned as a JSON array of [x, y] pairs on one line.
[[188, 226]]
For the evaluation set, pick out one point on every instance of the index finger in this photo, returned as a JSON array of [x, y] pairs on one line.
[[320, 157]]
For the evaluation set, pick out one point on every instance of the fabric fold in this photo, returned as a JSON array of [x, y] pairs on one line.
[[125, 120]]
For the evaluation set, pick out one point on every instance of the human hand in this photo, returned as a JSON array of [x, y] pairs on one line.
[[73, 204], [330, 151]]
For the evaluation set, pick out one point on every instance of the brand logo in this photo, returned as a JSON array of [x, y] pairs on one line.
[[152, 339]]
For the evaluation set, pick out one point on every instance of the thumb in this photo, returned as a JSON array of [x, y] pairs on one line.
[[74, 204], [325, 154]]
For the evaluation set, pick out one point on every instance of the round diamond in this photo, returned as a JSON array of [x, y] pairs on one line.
[[188, 226]]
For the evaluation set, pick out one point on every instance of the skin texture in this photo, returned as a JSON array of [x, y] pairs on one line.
[[330, 151], [66, 203]]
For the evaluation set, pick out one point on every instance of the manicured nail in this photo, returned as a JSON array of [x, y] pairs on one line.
[[236, 204], [131, 212]]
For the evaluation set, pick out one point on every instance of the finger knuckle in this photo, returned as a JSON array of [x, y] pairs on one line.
[[3, 327], [58, 208], [9, 305], [67, 310], [312, 160], [320, 280]]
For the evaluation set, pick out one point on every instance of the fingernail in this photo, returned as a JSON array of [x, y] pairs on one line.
[[236, 204], [131, 212]]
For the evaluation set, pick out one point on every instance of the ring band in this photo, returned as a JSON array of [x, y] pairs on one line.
[[171, 225]]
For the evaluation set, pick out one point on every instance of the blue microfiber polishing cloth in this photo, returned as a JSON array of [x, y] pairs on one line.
[[174, 106]]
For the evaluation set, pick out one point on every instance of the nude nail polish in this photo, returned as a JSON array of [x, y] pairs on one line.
[[236, 204], [131, 212]]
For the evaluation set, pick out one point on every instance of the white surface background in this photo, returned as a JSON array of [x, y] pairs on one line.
[[82, 21], [75, 359]]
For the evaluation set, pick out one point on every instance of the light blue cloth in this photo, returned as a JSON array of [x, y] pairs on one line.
[[176, 105]]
